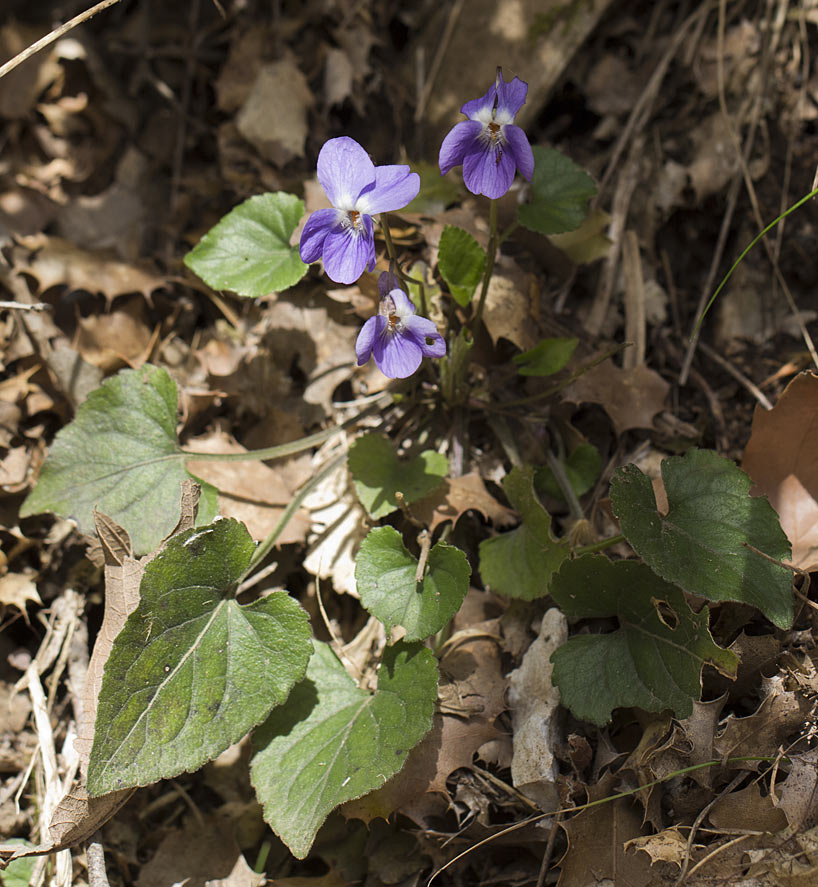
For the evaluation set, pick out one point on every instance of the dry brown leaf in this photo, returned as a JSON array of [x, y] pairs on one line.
[[279, 136], [597, 839], [534, 702], [16, 590], [747, 809], [20, 88], [120, 338], [799, 792], [53, 261], [507, 312], [203, 853], [666, 846], [14, 469], [782, 459], [779, 717], [454, 497], [251, 491], [630, 397]]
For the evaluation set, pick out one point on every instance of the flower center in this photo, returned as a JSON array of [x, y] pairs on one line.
[[355, 218]]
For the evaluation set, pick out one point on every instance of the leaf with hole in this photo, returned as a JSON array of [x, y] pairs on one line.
[[385, 575], [332, 741], [248, 251], [652, 661], [120, 456], [378, 475], [461, 262], [192, 671], [560, 191], [521, 563], [716, 541]]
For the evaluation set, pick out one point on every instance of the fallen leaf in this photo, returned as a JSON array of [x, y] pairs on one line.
[[666, 846], [799, 792], [53, 261], [630, 397], [250, 491], [507, 312], [279, 136], [782, 459], [747, 809], [455, 497], [16, 590], [534, 702], [122, 337]]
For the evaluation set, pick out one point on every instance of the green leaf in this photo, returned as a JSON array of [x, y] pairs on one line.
[[248, 251], [19, 871], [546, 358], [333, 742], [121, 456], [385, 576], [192, 671], [653, 661], [521, 563], [704, 544], [582, 468], [461, 261], [378, 474], [560, 191]]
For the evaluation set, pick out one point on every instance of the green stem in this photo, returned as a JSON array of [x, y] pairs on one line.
[[600, 546], [390, 248], [287, 449], [558, 470], [746, 250], [266, 546], [507, 233], [490, 259]]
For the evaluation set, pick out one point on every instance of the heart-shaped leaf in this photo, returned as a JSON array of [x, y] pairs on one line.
[[521, 563], [192, 671], [120, 456], [378, 474], [461, 261], [546, 358], [385, 575], [560, 191], [653, 661], [332, 742], [714, 538], [249, 250]]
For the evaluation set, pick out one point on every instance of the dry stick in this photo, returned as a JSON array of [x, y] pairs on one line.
[[748, 181], [95, 858], [736, 373], [440, 52], [11, 64], [635, 330]]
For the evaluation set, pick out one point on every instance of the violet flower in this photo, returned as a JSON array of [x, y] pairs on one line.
[[488, 144], [344, 236], [395, 336]]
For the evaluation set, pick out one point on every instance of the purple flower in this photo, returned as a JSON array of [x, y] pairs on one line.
[[397, 338], [488, 144], [344, 236]]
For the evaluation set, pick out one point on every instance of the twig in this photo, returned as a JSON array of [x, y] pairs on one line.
[[11, 64], [440, 52], [16, 306], [95, 858], [425, 542], [736, 373]]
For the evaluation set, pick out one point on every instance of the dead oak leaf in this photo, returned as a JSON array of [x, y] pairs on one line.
[[52, 261], [454, 497], [782, 459], [630, 397]]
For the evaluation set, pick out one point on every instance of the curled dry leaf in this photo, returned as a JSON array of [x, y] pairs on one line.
[[782, 459], [630, 397], [454, 497]]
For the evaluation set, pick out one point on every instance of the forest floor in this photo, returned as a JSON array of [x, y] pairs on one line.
[[128, 138]]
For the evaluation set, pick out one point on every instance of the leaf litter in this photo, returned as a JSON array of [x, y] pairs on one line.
[[109, 169]]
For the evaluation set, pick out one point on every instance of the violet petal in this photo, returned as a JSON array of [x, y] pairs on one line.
[[344, 170], [460, 141], [346, 253], [520, 149], [511, 96], [484, 103], [394, 187], [420, 329], [483, 174], [319, 224], [404, 307], [370, 331], [397, 356]]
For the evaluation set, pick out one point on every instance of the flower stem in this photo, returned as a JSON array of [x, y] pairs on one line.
[[286, 449], [492, 255], [390, 248], [600, 546]]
